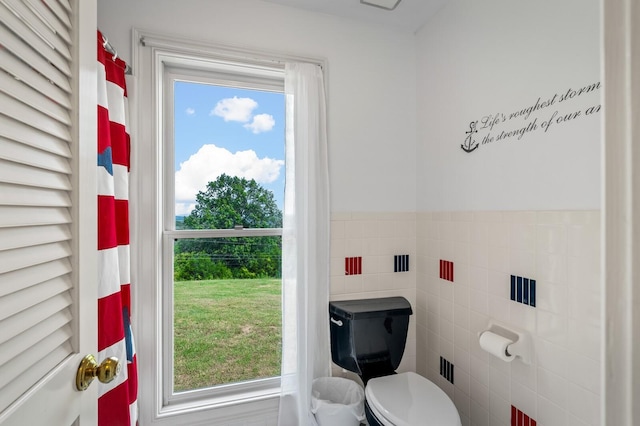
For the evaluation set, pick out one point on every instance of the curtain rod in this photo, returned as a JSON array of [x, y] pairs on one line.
[[227, 52], [109, 48]]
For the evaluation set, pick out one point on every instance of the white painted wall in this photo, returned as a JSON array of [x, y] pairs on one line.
[[371, 79], [498, 56]]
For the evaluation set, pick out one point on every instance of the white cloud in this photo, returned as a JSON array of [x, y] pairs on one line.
[[261, 123], [190, 111], [210, 162], [183, 209], [235, 109]]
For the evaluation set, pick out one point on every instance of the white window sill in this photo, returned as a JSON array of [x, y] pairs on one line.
[[257, 404]]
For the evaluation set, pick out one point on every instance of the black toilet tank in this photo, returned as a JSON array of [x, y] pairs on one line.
[[368, 336]]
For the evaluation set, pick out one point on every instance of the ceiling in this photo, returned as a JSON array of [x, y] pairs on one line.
[[408, 16]]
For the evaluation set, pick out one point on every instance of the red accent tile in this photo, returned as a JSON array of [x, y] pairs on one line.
[[353, 265], [446, 270], [519, 418]]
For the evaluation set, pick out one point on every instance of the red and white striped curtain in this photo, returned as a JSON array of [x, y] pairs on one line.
[[117, 403]]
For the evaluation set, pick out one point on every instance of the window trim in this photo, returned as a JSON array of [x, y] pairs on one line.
[[154, 55]]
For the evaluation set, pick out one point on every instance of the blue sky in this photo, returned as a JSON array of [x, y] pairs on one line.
[[226, 130]]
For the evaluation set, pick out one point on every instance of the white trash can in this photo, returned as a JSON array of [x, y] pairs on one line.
[[336, 401]]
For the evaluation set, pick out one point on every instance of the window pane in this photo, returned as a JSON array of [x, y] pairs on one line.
[[227, 311], [229, 173], [230, 257], [229, 157]]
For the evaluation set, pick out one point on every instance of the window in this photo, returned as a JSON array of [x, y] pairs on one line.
[[170, 247], [223, 195]]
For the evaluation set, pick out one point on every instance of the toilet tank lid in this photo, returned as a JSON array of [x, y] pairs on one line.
[[370, 308]]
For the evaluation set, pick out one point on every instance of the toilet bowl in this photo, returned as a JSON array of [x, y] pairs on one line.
[[408, 399]]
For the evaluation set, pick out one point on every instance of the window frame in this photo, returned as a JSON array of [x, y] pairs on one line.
[[222, 74], [153, 56]]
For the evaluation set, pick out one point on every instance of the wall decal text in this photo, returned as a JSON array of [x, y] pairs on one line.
[[539, 116]]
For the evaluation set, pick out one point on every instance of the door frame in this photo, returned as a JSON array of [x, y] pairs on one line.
[[620, 366], [85, 183]]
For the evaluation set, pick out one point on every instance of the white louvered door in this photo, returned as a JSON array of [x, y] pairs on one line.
[[47, 209]]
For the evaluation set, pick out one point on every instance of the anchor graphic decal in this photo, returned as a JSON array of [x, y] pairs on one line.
[[470, 144]]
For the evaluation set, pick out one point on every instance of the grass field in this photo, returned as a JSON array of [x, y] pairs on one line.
[[226, 331]]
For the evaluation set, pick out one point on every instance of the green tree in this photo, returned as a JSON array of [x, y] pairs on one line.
[[231, 201]]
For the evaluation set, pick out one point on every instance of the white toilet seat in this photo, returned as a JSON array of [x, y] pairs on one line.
[[379, 416], [407, 399]]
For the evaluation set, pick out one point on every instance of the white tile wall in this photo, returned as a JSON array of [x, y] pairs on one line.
[[560, 250]]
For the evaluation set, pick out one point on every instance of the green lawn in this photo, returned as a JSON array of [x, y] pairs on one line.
[[226, 331]]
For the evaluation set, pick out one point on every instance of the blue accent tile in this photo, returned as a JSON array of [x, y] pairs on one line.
[[523, 290], [532, 293], [401, 263], [446, 369], [519, 297]]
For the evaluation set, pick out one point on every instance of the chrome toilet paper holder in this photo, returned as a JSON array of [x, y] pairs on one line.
[[521, 347]]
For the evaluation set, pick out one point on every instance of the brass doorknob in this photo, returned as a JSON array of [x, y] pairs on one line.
[[89, 370]]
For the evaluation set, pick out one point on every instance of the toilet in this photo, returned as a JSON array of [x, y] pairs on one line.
[[368, 337]]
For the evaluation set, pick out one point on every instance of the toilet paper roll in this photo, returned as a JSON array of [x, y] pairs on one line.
[[496, 345]]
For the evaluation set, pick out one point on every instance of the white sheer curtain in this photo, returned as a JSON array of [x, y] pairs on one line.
[[305, 244]]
